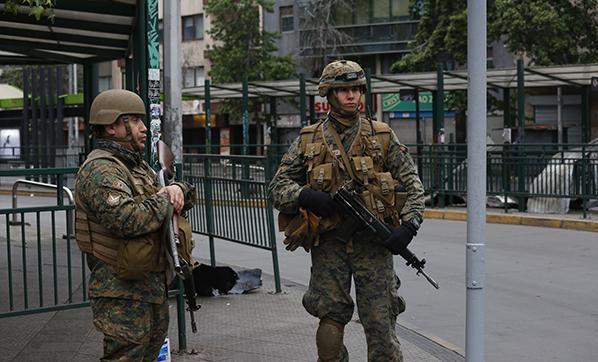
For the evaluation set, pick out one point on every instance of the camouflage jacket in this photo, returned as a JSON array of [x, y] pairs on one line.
[[105, 191], [291, 176]]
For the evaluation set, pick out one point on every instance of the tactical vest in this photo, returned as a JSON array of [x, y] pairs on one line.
[[326, 170], [131, 258]]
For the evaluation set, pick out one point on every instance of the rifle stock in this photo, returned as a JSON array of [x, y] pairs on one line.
[[348, 202]]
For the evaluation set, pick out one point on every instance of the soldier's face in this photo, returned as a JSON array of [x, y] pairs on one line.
[[138, 131], [348, 97]]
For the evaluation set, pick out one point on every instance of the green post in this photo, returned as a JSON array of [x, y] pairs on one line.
[[439, 132], [520, 133], [274, 142], [208, 113], [180, 314], [272, 236], [87, 98], [245, 115], [369, 99], [245, 163], [418, 133], [302, 105], [312, 109], [506, 103], [209, 207], [208, 181], [585, 114]]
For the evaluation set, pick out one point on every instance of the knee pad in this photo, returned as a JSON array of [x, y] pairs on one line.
[[329, 339]]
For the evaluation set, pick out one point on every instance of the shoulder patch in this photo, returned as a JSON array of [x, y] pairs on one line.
[[113, 200]]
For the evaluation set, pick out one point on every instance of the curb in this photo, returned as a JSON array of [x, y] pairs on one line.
[[528, 220]]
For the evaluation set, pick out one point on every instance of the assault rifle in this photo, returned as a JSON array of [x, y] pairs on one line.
[[182, 268], [360, 217]]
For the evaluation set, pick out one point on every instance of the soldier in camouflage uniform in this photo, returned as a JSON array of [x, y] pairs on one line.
[[120, 214], [347, 148]]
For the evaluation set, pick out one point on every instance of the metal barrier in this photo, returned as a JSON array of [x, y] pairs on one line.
[[70, 221], [41, 271], [233, 190], [523, 172]]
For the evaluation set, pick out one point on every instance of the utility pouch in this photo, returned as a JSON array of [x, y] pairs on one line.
[[137, 257], [364, 168], [321, 177], [186, 242]]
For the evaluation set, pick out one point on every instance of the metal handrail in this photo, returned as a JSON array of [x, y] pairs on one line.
[[68, 192]]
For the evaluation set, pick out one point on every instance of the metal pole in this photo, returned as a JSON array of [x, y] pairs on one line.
[[559, 114], [585, 114], [520, 133], [368, 95], [418, 133], [302, 114], [173, 125], [245, 115], [208, 114], [476, 180], [520, 102]]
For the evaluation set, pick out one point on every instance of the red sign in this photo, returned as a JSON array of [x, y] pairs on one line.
[[321, 105]]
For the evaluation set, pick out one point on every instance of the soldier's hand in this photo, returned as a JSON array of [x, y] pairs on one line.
[[400, 238], [176, 196], [318, 202]]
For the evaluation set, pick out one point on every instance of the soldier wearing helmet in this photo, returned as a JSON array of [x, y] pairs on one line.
[[120, 212], [346, 148]]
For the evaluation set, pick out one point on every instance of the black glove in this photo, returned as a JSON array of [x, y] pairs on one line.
[[400, 237], [318, 202]]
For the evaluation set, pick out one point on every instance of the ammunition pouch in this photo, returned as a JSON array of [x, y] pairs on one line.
[[185, 248], [304, 228]]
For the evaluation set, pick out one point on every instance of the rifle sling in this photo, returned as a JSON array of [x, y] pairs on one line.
[[345, 157], [349, 166]]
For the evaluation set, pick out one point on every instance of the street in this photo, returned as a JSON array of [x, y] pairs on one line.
[[541, 289]]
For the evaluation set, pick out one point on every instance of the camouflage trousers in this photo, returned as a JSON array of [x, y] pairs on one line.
[[378, 304], [133, 330]]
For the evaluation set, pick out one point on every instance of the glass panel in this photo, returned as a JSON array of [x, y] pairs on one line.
[[199, 26], [199, 76], [286, 24], [381, 10], [187, 28], [188, 77], [399, 8], [342, 16], [362, 11]]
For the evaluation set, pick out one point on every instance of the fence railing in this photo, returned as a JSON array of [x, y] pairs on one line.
[[233, 201], [41, 267], [42, 156], [522, 172]]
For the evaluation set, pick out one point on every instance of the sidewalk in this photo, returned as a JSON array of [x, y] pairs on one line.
[[259, 326], [572, 220]]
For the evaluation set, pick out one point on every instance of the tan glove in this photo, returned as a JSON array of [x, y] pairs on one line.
[[302, 230]]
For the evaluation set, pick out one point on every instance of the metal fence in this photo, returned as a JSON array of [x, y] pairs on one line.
[[531, 174], [236, 207], [41, 267]]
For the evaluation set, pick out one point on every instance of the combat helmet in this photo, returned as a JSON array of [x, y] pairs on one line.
[[341, 73], [109, 105]]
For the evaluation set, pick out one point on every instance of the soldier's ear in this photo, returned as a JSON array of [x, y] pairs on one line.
[[110, 129]]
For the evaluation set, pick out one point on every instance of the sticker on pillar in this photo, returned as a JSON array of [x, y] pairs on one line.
[[153, 74]]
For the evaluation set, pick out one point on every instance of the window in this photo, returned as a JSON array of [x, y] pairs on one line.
[[192, 27], [104, 82], [193, 77], [286, 19]]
